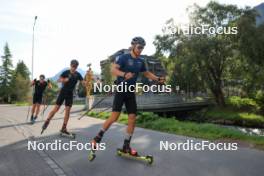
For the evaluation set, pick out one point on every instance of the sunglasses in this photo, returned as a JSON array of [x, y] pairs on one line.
[[74, 66], [140, 47]]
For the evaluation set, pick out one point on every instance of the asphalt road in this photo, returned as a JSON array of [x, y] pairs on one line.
[[16, 159]]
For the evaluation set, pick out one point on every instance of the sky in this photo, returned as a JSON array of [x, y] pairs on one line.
[[86, 30]]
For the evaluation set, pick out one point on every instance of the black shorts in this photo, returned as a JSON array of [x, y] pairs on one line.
[[129, 98], [65, 95], [37, 99]]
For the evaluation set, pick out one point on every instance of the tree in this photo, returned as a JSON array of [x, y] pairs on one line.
[[6, 73], [20, 88], [22, 69], [203, 59], [20, 82], [250, 41]]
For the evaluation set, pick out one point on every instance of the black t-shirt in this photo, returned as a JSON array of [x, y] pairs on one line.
[[40, 87], [73, 79]]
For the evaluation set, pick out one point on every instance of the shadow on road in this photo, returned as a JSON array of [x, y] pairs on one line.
[[16, 158]]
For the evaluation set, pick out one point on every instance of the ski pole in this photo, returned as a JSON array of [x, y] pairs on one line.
[[29, 107], [92, 108], [97, 103]]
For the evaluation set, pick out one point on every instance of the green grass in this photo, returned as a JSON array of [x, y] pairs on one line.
[[23, 103], [191, 129], [225, 115]]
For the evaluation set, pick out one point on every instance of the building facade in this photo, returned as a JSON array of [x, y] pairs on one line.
[[153, 65]]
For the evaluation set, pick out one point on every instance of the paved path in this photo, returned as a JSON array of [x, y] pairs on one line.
[[16, 159]]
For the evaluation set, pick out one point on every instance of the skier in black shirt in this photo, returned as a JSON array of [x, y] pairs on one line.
[[39, 88], [69, 79]]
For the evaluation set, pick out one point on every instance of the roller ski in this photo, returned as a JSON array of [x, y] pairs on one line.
[[133, 154], [148, 158], [65, 133], [44, 127]]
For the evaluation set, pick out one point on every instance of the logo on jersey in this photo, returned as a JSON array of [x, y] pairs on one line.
[[72, 76], [139, 64], [69, 76], [130, 62]]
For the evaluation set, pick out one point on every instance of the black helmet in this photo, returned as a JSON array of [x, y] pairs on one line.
[[138, 40], [74, 62], [42, 76]]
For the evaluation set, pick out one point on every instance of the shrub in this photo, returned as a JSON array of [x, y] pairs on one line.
[[260, 100], [244, 104]]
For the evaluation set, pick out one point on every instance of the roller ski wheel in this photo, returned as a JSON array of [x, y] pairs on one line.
[[91, 155], [65, 133], [44, 127], [148, 159]]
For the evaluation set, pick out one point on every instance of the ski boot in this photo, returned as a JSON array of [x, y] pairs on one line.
[[127, 149], [32, 119], [45, 125], [65, 133], [35, 118]]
